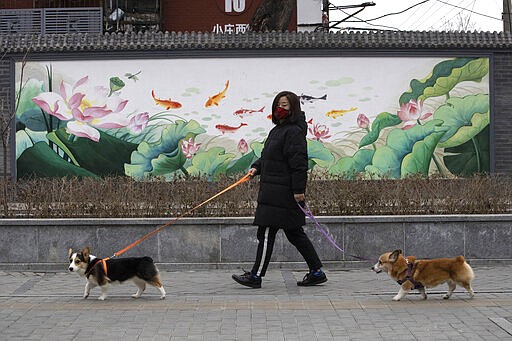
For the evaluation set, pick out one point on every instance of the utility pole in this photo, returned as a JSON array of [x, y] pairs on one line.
[[507, 16], [325, 15]]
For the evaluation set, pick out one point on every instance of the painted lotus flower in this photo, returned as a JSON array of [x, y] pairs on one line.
[[320, 131], [189, 148], [243, 147], [363, 121], [139, 122], [411, 113], [84, 108]]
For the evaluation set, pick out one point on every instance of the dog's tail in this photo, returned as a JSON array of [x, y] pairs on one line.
[[469, 275]]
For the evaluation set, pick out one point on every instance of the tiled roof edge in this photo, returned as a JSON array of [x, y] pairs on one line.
[[17, 43]]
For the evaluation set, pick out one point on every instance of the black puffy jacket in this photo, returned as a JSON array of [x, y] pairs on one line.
[[283, 168]]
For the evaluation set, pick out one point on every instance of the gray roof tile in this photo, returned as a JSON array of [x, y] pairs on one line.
[[255, 40]]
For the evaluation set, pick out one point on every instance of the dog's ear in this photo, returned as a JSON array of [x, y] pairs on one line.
[[70, 252], [394, 255], [85, 253]]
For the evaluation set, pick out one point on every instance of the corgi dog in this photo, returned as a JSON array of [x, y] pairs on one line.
[[140, 270], [425, 273]]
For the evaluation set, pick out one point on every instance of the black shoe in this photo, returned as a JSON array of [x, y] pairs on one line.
[[248, 279], [313, 278]]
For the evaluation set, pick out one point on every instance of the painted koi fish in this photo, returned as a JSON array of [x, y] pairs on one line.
[[229, 129], [243, 112], [166, 103], [215, 99], [311, 99], [338, 113]]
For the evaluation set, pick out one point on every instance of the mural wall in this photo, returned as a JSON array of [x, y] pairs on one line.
[[369, 117]]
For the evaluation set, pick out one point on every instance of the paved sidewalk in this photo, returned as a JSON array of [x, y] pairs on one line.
[[209, 305]]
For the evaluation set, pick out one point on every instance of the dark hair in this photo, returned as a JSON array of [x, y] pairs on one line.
[[295, 109]]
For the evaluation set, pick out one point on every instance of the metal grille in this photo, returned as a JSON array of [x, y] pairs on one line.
[[51, 20], [21, 21], [72, 20]]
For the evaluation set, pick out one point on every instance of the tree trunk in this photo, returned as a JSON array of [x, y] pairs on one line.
[[273, 15]]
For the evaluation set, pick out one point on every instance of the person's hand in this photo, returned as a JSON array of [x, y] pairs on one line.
[[299, 197], [252, 172]]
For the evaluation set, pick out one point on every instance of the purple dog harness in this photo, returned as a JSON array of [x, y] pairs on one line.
[[417, 285]]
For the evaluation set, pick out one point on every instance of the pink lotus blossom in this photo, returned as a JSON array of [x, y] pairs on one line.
[[85, 108], [243, 147], [320, 131], [139, 122], [363, 121], [411, 113], [189, 148]]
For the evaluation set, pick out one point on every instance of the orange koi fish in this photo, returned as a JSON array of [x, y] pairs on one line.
[[229, 129], [215, 99], [243, 112], [338, 113], [166, 103]]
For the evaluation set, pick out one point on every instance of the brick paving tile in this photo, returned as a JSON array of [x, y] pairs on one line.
[[208, 305]]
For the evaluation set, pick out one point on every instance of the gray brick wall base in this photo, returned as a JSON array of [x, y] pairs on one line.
[[230, 243]]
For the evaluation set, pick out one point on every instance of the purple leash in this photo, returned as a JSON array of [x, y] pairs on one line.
[[307, 212]]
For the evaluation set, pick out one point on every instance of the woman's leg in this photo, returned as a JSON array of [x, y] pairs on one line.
[[301, 241], [266, 238]]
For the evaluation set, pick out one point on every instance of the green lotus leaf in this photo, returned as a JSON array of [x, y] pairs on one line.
[[465, 117], [166, 164], [471, 157], [26, 138], [242, 164], [116, 84], [383, 120], [418, 162], [40, 160], [38, 120], [31, 89], [104, 158], [257, 148], [141, 165], [351, 165], [318, 154], [210, 163], [445, 76], [387, 160], [53, 137]]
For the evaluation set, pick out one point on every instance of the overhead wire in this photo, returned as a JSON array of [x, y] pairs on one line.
[[465, 9], [410, 16], [382, 16], [439, 23], [418, 21]]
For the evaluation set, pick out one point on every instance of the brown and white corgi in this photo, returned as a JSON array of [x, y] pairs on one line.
[[425, 273], [140, 270]]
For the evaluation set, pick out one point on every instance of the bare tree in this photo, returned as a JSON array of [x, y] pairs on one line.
[[6, 123], [273, 15], [459, 23]]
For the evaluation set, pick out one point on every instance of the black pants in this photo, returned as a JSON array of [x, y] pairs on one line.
[[298, 238]]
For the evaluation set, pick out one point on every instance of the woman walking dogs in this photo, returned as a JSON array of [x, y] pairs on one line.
[[283, 170]]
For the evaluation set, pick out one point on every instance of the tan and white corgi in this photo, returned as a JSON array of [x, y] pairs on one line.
[[425, 273]]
